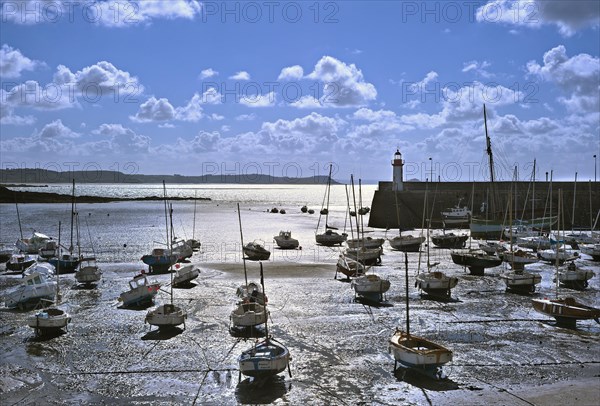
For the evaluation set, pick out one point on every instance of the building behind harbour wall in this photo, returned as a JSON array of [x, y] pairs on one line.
[[444, 195]]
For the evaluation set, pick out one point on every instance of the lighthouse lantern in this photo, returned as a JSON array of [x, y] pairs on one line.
[[397, 165]]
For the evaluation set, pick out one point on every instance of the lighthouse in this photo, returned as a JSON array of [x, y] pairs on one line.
[[397, 164]]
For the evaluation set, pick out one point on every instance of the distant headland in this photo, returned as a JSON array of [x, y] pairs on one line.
[[32, 176]]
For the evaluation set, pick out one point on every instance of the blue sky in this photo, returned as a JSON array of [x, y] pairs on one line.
[[189, 87]]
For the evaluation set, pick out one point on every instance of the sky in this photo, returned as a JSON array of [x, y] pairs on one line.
[[285, 88]]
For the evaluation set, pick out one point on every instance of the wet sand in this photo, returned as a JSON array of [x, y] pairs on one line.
[[504, 352]]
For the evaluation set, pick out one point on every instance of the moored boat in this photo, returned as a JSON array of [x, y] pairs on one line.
[[285, 241], [371, 286], [160, 260], [566, 310], [89, 273], [521, 281], [417, 353], [367, 242], [475, 260], [20, 262], [574, 277], [349, 267], [184, 275], [406, 243], [436, 283], [255, 251], [34, 288], [449, 240], [140, 293], [33, 244]]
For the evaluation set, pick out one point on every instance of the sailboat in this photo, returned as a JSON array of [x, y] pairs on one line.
[[518, 279], [52, 319], [67, 263], [193, 243], [368, 286], [266, 358], [406, 243], [361, 253], [249, 311], [565, 310], [414, 352], [167, 315], [435, 283], [330, 237], [184, 275], [89, 273]]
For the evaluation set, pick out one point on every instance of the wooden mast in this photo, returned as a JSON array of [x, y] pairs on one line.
[[406, 285], [488, 144], [242, 239]]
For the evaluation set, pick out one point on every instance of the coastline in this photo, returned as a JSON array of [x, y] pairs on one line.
[[12, 196]]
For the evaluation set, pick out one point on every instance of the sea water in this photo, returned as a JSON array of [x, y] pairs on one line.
[[124, 231]]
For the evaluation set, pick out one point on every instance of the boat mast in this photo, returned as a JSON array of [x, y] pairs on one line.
[[348, 202], [558, 239], [171, 248], [362, 225], [242, 239], [19, 217], [58, 269], [422, 227], [194, 226], [533, 194], [574, 194], [262, 283], [72, 215], [328, 194], [325, 209], [488, 143], [166, 215], [406, 285]]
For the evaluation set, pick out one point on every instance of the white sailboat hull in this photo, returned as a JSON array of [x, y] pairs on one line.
[[435, 281], [166, 315], [265, 359], [88, 275], [248, 315], [50, 319], [416, 352], [370, 284], [185, 274]]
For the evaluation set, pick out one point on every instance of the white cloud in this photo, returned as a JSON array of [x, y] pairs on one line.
[[101, 77], [216, 117], [344, 85], [577, 76], [568, 15], [13, 62], [478, 67], [205, 141], [121, 139], [33, 95], [421, 86], [57, 129], [154, 109], [246, 117], [208, 73], [7, 115], [291, 73], [111, 13], [241, 75], [192, 111], [259, 100], [211, 96], [307, 102]]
